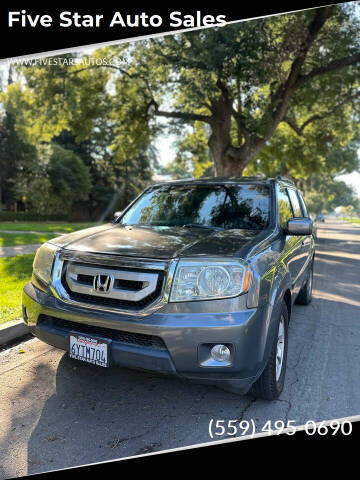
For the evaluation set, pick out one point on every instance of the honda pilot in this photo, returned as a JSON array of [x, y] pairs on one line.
[[194, 278]]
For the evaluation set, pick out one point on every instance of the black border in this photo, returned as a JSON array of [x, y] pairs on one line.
[[28, 40]]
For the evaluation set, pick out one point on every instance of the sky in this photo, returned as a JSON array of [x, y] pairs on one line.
[[352, 179]]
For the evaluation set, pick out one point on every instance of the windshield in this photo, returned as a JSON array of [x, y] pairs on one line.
[[224, 206]]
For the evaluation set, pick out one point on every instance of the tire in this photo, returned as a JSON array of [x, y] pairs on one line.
[[271, 382], [305, 294]]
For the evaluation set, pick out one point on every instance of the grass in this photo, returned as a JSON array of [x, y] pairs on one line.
[[45, 226], [13, 239], [48, 230], [15, 272], [352, 220]]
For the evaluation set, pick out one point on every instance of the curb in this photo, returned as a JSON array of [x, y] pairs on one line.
[[12, 330]]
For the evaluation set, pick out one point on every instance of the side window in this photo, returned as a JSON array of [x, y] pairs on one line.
[[295, 203], [284, 206], [304, 209]]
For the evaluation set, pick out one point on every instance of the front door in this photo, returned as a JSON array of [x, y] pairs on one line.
[[293, 255]]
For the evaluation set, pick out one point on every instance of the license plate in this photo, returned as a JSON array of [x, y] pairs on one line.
[[89, 349]]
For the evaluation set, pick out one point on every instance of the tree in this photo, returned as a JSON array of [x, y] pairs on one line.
[[323, 194], [316, 151], [17, 159], [93, 153], [69, 177], [192, 153], [245, 80], [349, 211], [251, 85], [56, 181], [72, 107]]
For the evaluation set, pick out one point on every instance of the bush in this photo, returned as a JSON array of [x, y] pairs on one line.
[[59, 180]]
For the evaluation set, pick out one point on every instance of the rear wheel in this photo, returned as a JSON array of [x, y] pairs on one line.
[[305, 294], [271, 382]]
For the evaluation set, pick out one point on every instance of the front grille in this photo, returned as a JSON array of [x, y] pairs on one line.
[[129, 338], [130, 286]]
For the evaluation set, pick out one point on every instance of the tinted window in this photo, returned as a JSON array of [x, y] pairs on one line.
[[284, 206], [295, 203], [236, 206], [247, 207]]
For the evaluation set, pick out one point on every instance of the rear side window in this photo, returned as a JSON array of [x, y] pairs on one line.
[[284, 206], [295, 203]]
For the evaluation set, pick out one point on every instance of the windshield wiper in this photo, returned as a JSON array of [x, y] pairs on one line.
[[200, 225]]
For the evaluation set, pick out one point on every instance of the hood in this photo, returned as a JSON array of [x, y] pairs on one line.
[[157, 242]]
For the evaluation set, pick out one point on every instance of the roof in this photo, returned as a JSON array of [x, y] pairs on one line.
[[225, 180]]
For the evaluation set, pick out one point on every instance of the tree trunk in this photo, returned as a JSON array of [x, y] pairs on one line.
[[224, 164], [228, 160]]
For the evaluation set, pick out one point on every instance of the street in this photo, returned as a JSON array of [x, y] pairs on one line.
[[56, 412]]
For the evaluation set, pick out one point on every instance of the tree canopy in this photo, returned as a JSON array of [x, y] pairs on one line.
[[278, 95], [246, 80]]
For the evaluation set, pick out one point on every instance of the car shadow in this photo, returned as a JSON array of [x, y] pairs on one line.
[[100, 414]]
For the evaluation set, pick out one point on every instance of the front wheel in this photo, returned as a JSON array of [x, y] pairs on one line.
[[271, 382]]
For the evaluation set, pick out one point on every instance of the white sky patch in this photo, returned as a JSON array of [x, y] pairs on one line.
[[351, 179], [164, 145]]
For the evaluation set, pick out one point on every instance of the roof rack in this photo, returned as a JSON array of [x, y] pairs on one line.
[[285, 179]]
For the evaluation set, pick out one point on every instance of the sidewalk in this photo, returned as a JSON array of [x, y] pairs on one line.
[[42, 232], [18, 250]]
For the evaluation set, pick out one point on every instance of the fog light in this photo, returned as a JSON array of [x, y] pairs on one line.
[[220, 353]]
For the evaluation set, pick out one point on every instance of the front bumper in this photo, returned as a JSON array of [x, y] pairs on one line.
[[186, 337]]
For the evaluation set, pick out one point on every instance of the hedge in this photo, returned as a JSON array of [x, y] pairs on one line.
[[6, 216]]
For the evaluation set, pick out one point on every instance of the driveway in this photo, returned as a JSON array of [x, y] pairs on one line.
[[56, 412]]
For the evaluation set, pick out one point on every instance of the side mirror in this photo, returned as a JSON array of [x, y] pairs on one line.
[[299, 226], [116, 216]]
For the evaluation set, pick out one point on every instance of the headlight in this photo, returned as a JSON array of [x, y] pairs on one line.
[[43, 262], [209, 279]]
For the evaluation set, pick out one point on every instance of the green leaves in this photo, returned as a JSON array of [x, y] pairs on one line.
[[69, 177], [274, 95], [192, 158]]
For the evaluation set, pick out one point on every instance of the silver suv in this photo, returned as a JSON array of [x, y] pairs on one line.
[[194, 278]]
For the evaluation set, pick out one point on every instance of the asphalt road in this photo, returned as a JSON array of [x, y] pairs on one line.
[[56, 412]]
